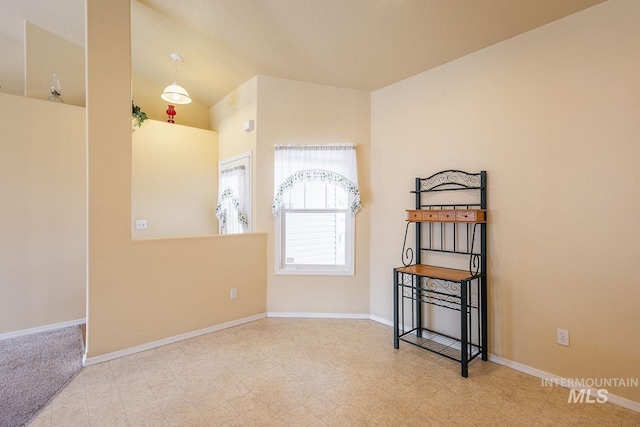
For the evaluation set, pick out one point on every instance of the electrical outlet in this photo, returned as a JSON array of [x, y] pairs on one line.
[[141, 224], [234, 293], [563, 337]]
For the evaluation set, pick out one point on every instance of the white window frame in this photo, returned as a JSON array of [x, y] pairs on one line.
[[331, 164], [348, 269]]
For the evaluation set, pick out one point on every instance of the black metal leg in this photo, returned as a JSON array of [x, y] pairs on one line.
[[396, 319], [417, 284], [464, 359], [483, 316]]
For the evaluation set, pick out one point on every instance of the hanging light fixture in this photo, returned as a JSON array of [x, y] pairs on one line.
[[174, 93]]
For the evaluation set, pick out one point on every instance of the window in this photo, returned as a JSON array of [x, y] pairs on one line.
[[234, 194], [315, 209]]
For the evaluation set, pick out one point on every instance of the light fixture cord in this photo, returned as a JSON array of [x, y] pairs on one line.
[[175, 73]]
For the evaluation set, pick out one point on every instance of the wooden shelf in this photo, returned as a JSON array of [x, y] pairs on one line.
[[447, 215], [443, 273]]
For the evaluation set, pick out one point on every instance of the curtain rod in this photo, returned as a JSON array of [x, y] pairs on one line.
[[316, 147]]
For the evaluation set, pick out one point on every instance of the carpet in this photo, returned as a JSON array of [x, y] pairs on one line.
[[34, 368]]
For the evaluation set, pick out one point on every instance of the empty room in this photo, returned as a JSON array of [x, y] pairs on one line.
[[319, 212]]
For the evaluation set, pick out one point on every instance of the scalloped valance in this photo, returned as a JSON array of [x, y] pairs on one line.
[[231, 205], [332, 163], [221, 213]]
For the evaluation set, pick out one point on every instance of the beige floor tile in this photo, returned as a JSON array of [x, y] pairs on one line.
[[301, 417], [441, 407], [231, 387], [631, 418], [74, 422], [420, 420], [605, 414], [513, 414], [97, 398], [362, 404], [146, 414], [479, 412], [318, 403], [183, 413], [70, 408], [219, 414], [489, 397], [256, 413], [43, 419], [311, 372], [108, 415], [391, 412], [527, 400], [466, 420], [280, 402], [553, 414], [339, 417]]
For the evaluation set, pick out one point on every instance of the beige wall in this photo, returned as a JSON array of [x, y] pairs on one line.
[[552, 115], [47, 53], [291, 112], [174, 180], [43, 211], [12, 66], [146, 94], [228, 116], [143, 291]]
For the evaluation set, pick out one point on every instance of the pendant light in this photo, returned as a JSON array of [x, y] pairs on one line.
[[174, 93]]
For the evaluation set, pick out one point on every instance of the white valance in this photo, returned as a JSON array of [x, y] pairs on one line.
[[231, 196], [332, 163]]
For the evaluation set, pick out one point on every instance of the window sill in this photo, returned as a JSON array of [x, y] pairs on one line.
[[305, 271]]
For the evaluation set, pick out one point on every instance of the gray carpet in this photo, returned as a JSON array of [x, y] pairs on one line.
[[34, 369]]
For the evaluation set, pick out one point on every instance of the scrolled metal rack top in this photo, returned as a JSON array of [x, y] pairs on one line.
[[451, 180]]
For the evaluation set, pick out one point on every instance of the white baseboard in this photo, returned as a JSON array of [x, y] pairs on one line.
[[88, 361], [381, 320], [319, 315], [611, 398], [43, 328]]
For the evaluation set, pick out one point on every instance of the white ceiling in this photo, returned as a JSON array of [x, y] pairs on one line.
[[358, 44]]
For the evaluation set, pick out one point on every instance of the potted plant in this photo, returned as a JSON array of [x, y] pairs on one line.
[[137, 115]]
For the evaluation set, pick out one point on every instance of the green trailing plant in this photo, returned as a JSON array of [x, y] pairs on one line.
[[138, 115]]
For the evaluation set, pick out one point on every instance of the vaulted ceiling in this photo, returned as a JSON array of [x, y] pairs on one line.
[[358, 44]]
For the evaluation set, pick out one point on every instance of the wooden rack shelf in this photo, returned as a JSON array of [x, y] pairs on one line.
[[446, 215], [444, 273]]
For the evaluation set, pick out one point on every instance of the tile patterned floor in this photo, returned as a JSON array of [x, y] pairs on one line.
[[311, 372]]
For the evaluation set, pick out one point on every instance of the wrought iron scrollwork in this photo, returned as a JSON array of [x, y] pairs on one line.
[[474, 258], [439, 292], [407, 253], [452, 177], [474, 264], [442, 286]]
